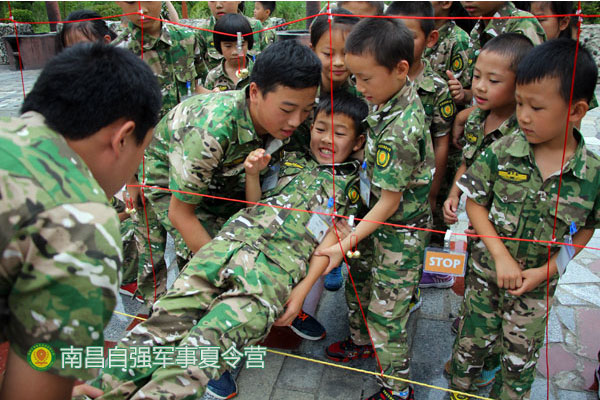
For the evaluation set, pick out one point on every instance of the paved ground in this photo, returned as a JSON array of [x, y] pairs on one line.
[[572, 341]]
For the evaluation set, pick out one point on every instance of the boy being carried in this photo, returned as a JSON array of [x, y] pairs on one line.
[[513, 190]]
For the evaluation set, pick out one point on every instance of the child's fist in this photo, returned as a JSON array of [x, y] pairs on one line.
[[256, 161], [456, 89]]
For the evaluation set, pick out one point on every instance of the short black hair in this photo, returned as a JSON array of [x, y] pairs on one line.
[[414, 9], [513, 46], [268, 5], [562, 8], [320, 25], [347, 104], [555, 59], [388, 40], [379, 6], [91, 85], [287, 63], [93, 30], [232, 23]]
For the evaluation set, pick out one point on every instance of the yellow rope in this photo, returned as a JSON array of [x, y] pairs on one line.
[[351, 369]]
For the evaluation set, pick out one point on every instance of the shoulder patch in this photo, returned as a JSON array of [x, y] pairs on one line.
[[471, 138], [512, 175], [353, 194], [457, 63], [447, 109], [383, 156], [293, 164]]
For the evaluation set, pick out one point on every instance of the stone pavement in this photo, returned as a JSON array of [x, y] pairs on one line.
[[573, 339]]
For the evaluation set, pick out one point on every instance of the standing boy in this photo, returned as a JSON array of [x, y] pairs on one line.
[[513, 192], [399, 160], [82, 133]]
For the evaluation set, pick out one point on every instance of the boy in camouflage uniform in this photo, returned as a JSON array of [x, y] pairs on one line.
[[233, 72], [82, 133], [263, 11], [486, 29], [237, 286], [439, 110], [513, 194], [177, 57], [399, 160]]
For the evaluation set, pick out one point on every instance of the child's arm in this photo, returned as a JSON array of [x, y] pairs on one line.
[[508, 271], [458, 127], [451, 203], [385, 207], [183, 218], [533, 277], [440, 150], [255, 162], [317, 267]]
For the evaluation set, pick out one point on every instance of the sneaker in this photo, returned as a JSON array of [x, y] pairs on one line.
[[346, 350], [415, 302], [222, 388], [386, 394], [487, 377], [455, 325], [439, 281], [334, 279], [308, 327], [129, 290]]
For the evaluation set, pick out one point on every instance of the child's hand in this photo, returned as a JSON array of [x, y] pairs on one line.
[[456, 89], [508, 273], [86, 390], [449, 210], [334, 254], [531, 279], [256, 162], [292, 308]]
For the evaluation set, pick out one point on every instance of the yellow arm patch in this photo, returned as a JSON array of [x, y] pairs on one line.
[[457, 63], [513, 176], [447, 109], [353, 194], [382, 158]]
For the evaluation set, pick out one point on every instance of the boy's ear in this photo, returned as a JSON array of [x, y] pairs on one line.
[[401, 69], [563, 23], [360, 141], [578, 110], [122, 132], [432, 38], [268, 13]]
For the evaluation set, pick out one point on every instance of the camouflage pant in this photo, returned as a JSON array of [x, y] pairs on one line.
[[130, 251], [496, 321], [228, 295], [385, 283]]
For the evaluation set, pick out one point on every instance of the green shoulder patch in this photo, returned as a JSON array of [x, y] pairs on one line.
[[512, 175], [457, 63], [471, 138], [447, 109], [353, 194], [383, 156]]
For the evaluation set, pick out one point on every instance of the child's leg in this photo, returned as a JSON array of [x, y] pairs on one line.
[[396, 274], [478, 331], [360, 269], [523, 331]]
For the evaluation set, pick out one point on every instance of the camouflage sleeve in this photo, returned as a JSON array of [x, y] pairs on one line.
[[398, 152], [67, 288], [209, 83], [478, 182], [195, 155], [259, 38], [444, 110], [200, 56], [348, 199], [460, 59], [529, 27]]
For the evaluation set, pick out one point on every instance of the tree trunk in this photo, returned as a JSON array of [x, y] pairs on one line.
[[184, 10], [53, 13], [312, 8]]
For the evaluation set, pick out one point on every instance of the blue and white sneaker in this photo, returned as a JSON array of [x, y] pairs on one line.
[[222, 388], [334, 279]]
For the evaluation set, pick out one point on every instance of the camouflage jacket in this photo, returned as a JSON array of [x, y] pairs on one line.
[[281, 233], [477, 141], [399, 154], [214, 57], [437, 101], [450, 53], [505, 179], [484, 30], [176, 57], [60, 245], [211, 135], [270, 36], [218, 78]]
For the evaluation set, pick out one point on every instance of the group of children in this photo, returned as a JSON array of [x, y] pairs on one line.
[[248, 177]]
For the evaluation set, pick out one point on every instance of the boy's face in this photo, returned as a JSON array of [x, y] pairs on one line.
[[552, 26], [280, 111], [260, 13], [231, 53], [482, 8], [541, 111], [220, 8], [377, 83], [493, 82], [336, 51], [150, 8], [345, 141], [420, 40]]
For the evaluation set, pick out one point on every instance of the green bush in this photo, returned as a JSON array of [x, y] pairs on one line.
[[22, 15]]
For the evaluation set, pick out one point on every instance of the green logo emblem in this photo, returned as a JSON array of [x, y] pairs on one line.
[[457, 63]]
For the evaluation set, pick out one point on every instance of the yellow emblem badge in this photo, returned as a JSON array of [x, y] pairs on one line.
[[41, 357], [471, 138], [383, 155], [293, 164], [447, 109], [513, 176], [353, 195], [457, 63]]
